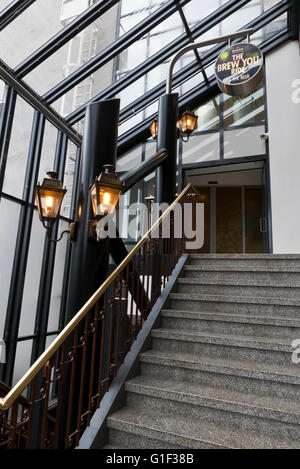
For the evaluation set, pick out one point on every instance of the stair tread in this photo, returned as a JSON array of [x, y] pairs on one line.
[[229, 317], [271, 343], [249, 368], [239, 282], [199, 393], [247, 256], [241, 268], [236, 299], [195, 433]]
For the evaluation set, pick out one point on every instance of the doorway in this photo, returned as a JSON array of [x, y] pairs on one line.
[[235, 207]]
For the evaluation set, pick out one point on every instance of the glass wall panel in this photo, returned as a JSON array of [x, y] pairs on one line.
[[3, 4], [56, 292], [201, 148], [244, 142], [130, 123], [129, 160], [196, 11], [132, 56], [209, 114], [48, 151], [32, 277], [150, 185], [131, 7], [241, 17], [150, 149], [22, 362], [129, 21], [18, 149], [132, 92], [270, 29], [9, 215], [241, 111], [38, 23]]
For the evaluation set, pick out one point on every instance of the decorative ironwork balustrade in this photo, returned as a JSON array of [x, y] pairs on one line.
[[55, 400]]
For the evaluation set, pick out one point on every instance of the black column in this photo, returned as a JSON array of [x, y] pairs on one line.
[[99, 148], [167, 139]]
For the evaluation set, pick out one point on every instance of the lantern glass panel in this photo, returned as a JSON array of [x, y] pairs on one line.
[[154, 128], [94, 199], [49, 202], [108, 200]]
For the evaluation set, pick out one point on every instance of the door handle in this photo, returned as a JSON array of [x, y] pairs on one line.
[[263, 225]]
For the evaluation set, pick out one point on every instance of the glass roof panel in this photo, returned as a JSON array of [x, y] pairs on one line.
[[4, 4], [36, 25]]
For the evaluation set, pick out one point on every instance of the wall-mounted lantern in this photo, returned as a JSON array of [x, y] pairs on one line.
[[154, 128], [105, 192], [185, 125], [49, 198], [188, 123]]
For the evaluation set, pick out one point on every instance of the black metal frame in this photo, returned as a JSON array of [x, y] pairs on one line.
[[43, 111]]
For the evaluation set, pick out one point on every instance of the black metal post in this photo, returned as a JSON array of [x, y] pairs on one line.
[[6, 122], [99, 148], [167, 139]]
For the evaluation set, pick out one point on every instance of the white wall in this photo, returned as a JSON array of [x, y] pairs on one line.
[[283, 69]]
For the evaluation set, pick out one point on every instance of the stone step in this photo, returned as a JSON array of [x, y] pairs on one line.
[[266, 379], [264, 306], [272, 416], [238, 288], [231, 324], [126, 440], [223, 272], [265, 262], [183, 433], [278, 409], [215, 345]]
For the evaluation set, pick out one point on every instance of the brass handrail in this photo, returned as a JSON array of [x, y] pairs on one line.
[[15, 392]]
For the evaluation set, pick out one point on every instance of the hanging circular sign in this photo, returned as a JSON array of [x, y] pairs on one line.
[[239, 69]]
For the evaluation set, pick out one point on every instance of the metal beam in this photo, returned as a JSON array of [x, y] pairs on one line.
[[112, 50], [137, 174], [12, 11], [27, 93], [64, 36], [6, 121]]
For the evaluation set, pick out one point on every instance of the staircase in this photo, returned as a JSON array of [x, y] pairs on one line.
[[220, 371]]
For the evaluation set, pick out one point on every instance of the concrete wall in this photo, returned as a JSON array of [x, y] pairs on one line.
[[283, 93]]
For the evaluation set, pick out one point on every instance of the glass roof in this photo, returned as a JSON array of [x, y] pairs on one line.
[[122, 51]]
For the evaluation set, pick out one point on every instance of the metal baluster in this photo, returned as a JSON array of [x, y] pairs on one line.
[[103, 326], [13, 426], [138, 285], [45, 395], [127, 331], [72, 359], [109, 369], [84, 345], [117, 329], [94, 331], [60, 380]]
